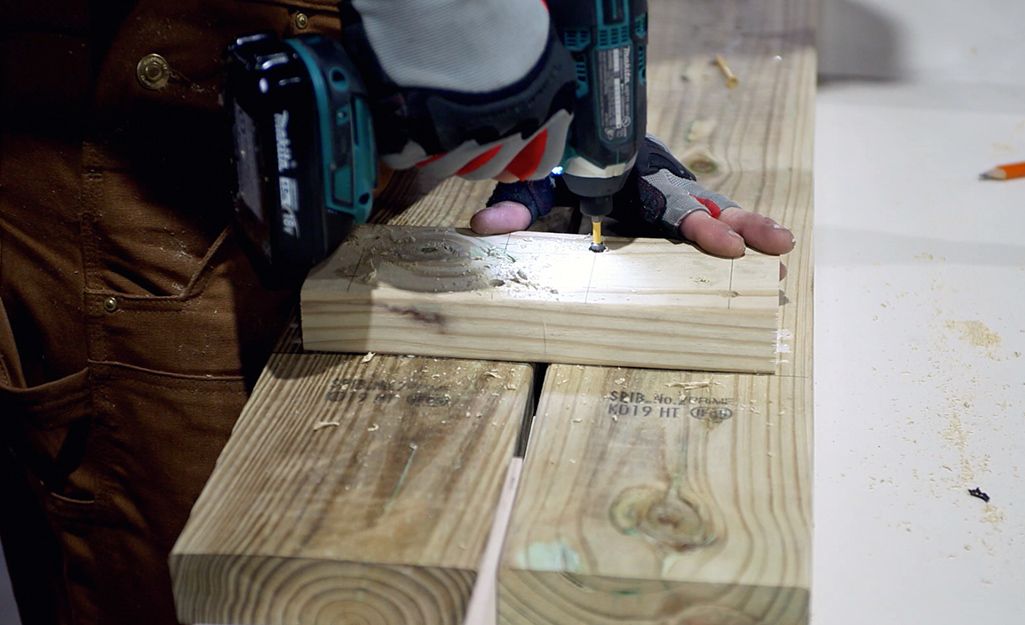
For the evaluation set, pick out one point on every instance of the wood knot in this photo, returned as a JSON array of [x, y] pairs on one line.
[[661, 515], [436, 261], [702, 166]]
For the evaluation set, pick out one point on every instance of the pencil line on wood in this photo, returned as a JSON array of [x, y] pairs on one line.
[[355, 270], [590, 277]]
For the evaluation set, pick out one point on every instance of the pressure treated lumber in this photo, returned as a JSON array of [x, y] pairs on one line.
[[543, 297], [354, 489], [681, 518], [649, 496]]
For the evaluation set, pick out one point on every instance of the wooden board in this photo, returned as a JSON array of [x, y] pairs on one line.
[[625, 515], [543, 297], [653, 495], [353, 489]]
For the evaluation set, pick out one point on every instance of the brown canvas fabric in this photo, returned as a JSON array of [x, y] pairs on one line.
[[132, 323]]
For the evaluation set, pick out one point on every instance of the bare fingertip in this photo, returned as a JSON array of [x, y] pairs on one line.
[[500, 218]]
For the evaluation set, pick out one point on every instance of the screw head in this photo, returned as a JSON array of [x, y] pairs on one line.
[[153, 71], [301, 20]]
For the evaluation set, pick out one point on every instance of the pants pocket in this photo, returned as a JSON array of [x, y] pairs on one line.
[[161, 436], [48, 428]]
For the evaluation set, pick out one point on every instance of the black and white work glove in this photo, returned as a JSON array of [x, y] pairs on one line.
[[660, 190], [664, 192]]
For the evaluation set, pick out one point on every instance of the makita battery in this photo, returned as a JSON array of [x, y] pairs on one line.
[[304, 145]]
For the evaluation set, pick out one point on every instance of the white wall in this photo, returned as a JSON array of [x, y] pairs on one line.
[[967, 41]]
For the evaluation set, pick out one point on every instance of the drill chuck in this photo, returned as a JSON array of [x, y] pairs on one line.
[[599, 206]]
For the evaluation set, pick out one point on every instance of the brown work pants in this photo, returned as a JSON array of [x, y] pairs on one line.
[[132, 323]]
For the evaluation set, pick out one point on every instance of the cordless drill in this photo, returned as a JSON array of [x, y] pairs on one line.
[[608, 40]]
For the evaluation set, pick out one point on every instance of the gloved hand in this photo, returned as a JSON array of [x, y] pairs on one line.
[[661, 192], [477, 89]]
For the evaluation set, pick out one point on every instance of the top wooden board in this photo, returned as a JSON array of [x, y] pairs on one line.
[[543, 297]]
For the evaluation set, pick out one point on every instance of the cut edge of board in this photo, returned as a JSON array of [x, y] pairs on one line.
[[531, 596], [287, 587], [453, 332]]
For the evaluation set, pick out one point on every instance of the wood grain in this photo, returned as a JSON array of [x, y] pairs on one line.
[[688, 514], [543, 297], [648, 492], [353, 489]]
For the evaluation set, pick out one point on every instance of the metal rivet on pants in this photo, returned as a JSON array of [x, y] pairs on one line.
[[301, 21], [153, 71], [110, 304]]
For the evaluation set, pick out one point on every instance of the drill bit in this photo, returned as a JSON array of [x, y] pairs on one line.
[[596, 207], [596, 240]]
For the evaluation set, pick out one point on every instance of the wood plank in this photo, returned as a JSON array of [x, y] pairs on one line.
[[543, 297], [680, 518], [353, 489], [651, 494]]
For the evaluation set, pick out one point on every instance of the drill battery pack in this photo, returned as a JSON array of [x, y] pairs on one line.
[[304, 145]]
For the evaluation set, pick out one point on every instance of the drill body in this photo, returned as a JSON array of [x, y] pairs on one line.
[[608, 41]]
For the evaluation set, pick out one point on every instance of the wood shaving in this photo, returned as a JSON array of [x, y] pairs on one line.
[[323, 424], [368, 358]]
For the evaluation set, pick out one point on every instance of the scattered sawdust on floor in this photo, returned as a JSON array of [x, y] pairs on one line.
[[957, 436], [993, 515], [975, 333]]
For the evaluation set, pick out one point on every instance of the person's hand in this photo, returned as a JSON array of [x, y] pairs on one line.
[[479, 89], [663, 193]]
